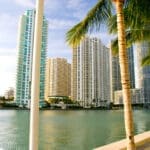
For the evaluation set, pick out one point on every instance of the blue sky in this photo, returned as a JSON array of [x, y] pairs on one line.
[[61, 14]]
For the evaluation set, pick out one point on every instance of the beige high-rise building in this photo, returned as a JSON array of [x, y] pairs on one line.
[[58, 77], [74, 75]]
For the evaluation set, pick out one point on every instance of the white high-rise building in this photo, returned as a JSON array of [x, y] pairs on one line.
[[91, 73], [25, 57]]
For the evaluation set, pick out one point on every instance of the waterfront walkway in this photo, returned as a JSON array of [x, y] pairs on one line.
[[144, 147], [142, 142]]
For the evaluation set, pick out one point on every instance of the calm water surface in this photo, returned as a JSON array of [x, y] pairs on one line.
[[67, 130]]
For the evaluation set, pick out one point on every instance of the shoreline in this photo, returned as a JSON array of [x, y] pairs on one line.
[[67, 107], [75, 109]]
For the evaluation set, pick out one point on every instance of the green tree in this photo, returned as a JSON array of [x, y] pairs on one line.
[[102, 13], [2, 98]]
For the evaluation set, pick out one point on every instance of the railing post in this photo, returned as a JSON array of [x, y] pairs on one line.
[[35, 84]]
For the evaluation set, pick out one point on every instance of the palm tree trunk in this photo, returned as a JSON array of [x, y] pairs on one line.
[[124, 69]]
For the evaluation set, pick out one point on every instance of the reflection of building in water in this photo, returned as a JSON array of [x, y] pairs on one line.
[[140, 126], [136, 96], [91, 73], [143, 73]]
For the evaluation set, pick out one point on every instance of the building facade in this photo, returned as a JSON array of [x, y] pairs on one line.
[[90, 73], [116, 76], [9, 94], [58, 77], [25, 56], [143, 72], [136, 97]]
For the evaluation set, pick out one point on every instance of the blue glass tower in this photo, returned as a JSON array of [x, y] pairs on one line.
[[25, 54]]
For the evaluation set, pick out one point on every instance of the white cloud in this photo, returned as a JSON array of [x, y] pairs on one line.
[[76, 4], [7, 19], [60, 53], [7, 64], [52, 5], [79, 8], [7, 80], [7, 52], [79, 14], [25, 3], [7, 72], [8, 29], [8, 39], [60, 24]]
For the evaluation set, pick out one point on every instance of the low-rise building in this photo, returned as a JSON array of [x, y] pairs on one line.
[[136, 97], [9, 94]]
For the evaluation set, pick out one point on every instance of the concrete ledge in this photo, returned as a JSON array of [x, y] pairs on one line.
[[140, 140]]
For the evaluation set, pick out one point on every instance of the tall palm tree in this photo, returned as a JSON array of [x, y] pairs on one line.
[[137, 26], [123, 60], [99, 14]]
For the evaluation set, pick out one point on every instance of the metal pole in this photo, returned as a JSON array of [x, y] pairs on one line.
[[35, 86]]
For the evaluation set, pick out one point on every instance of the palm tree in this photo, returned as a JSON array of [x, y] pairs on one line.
[[137, 26], [123, 60], [99, 14]]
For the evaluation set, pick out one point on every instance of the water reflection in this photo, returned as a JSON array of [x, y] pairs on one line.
[[141, 121], [14, 130], [67, 130]]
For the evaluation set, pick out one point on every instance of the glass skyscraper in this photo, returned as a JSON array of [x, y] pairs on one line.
[[116, 76], [143, 73], [25, 54]]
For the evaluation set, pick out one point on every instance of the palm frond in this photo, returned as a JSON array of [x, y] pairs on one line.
[[112, 24], [114, 46], [138, 7], [96, 16], [137, 13], [146, 61], [131, 22], [132, 36], [137, 35]]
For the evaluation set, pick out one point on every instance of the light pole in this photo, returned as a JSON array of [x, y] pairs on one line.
[[35, 86]]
